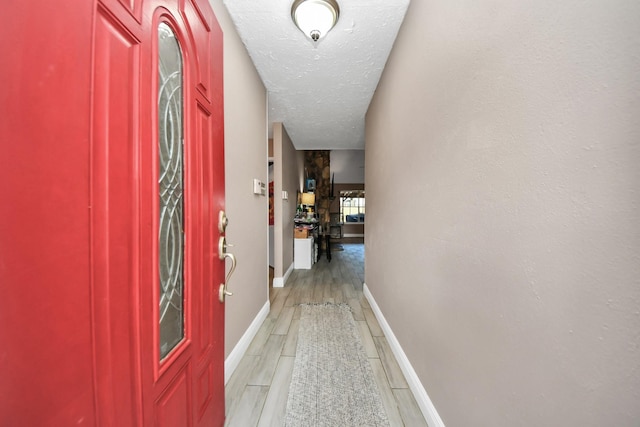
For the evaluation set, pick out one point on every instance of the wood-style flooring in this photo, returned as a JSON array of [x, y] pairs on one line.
[[256, 394]]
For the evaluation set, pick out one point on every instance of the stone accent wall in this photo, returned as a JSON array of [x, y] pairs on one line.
[[317, 166]]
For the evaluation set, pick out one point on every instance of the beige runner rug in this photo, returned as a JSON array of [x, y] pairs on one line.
[[332, 383]]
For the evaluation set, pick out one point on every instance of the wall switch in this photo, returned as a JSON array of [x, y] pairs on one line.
[[285, 195], [259, 187]]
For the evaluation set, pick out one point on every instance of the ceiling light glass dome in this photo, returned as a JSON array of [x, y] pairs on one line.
[[315, 18]]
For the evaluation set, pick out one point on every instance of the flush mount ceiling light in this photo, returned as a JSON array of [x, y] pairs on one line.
[[315, 17]]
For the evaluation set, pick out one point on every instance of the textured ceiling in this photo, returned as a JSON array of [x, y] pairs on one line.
[[320, 91]]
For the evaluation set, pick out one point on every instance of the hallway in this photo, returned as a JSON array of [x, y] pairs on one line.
[[256, 394]]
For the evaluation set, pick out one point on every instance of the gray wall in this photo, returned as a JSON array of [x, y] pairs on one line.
[[245, 159], [502, 174], [347, 166], [286, 178]]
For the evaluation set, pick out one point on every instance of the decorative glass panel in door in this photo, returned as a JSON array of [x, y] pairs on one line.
[[171, 185]]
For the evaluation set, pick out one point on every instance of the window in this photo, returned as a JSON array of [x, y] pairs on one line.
[[352, 206], [171, 186]]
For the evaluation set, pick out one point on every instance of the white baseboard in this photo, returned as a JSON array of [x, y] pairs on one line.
[[236, 355], [353, 235], [420, 394], [279, 282]]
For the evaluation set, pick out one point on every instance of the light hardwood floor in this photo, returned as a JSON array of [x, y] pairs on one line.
[[256, 394]]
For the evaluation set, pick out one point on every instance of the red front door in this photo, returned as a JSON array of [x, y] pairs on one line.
[[111, 182]]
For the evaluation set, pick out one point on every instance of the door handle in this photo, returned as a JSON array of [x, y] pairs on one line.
[[223, 293]]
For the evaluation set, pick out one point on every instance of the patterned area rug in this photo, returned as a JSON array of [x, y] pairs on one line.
[[332, 383]]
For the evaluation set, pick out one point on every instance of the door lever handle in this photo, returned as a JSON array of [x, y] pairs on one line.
[[223, 293]]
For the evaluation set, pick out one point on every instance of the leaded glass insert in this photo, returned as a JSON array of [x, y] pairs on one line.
[[171, 185]]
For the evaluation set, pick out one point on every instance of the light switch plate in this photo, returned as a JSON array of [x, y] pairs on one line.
[[259, 187], [285, 195]]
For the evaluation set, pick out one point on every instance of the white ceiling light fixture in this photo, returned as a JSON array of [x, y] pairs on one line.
[[315, 18]]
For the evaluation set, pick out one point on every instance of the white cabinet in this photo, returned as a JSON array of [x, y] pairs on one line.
[[303, 253]]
